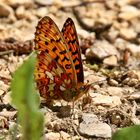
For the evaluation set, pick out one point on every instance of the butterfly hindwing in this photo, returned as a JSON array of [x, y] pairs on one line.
[[50, 77]]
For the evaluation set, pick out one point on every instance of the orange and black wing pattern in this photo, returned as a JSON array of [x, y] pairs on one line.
[[49, 39], [71, 38], [58, 71], [54, 71], [50, 77]]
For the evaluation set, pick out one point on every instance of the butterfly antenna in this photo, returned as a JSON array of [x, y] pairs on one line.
[[97, 82]]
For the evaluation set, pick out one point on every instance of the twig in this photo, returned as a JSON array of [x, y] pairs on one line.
[[18, 47]]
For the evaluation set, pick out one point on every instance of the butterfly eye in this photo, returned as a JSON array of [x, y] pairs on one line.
[[82, 88]]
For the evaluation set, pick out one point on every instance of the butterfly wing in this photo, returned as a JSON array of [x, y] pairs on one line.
[[51, 79], [71, 38], [49, 39], [55, 73]]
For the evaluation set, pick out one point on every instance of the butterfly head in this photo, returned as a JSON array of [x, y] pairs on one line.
[[75, 93], [82, 89]]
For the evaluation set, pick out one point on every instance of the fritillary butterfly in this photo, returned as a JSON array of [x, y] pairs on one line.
[[59, 70]]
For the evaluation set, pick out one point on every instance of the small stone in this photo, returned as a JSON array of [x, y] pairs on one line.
[[89, 118], [8, 114], [7, 98], [115, 91], [133, 82], [41, 12], [3, 86], [44, 2], [64, 135], [52, 136], [113, 82], [128, 33], [135, 24], [123, 2], [135, 96], [19, 2], [110, 101], [20, 12], [113, 34], [5, 10], [134, 49], [129, 12], [118, 117], [102, 49], [111, 61], [120, 43], [65, 111], [91, 127]]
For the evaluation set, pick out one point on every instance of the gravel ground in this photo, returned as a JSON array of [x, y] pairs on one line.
[[109, 35]]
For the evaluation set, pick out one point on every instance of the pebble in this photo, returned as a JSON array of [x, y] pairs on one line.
[[128, 33], [123, 2], [134, 49], [129, 12], [5, 10], [111, 61], [135, 96], [52, 136], [20, 12], [92, 127], [65, 111], [19, 2], [102, 49], [65, 136], [113, 34], [104, 100], [7, 98], [120, 43], [44, 2], [41, 12], [8, 114], [113, 82], [115, 91]]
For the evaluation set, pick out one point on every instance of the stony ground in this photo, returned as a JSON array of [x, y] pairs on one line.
[[109, 34]]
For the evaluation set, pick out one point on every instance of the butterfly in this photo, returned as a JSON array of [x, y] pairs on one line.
[[59, 70]]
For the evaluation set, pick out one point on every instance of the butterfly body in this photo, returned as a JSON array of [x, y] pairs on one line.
[[59, 70]]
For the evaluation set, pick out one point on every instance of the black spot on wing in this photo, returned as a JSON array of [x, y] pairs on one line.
[[63, 52], [77, 66], [72, 41], [74, 53], [65, 58], [46, 43], [74, 60], [56, 58], [58, 40], [54, 49]]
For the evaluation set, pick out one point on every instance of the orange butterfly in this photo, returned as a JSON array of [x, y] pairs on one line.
[[59, 70]]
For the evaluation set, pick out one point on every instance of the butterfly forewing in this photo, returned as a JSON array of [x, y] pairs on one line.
[[71, 38], [49, 39]]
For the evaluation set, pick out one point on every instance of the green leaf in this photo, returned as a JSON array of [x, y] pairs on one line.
[[128, 133], [26, 101]]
